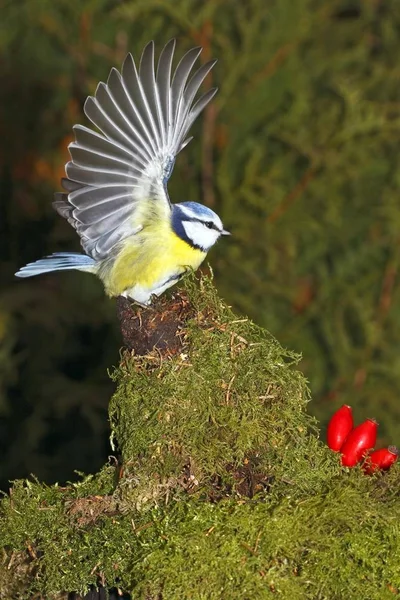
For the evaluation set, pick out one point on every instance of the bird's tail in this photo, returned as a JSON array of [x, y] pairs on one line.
[[60, 261]]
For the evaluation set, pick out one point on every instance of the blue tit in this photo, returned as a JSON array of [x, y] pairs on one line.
[[115, 190]]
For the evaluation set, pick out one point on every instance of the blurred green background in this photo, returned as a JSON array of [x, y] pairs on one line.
[[299, 153]]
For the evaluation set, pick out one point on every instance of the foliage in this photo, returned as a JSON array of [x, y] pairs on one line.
[[175, 521], [298, 153]]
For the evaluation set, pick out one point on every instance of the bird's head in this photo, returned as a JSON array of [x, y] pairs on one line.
[[197, 224]]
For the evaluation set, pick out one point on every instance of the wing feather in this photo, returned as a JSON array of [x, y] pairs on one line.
[[86, 138], [150, 90], [89, 196], [69, 186], [188, 97], [163, 82], [117, 176], [177, 88], [94, 213], [137, 129], [198, 107], [100, 178], [109, 128], [114, 218], [93, 159], [134, 93]]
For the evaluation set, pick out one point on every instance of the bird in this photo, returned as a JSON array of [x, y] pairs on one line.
[[115, 187]]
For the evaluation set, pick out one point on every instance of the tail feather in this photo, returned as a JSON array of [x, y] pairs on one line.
[[60, 261]]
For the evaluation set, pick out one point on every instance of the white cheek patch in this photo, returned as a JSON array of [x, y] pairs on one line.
[[200, 235]]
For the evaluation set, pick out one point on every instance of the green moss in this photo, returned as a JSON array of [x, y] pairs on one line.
[[335, 545], [226, 490], [231, 396]]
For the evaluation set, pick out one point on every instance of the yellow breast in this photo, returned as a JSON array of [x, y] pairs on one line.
[[149, 258]]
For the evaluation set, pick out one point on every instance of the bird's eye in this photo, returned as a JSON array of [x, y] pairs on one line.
[[209, 224]]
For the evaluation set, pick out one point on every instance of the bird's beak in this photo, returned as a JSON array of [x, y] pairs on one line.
[[225, 232]]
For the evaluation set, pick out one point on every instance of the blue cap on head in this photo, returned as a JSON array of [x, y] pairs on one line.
[[199, 209]]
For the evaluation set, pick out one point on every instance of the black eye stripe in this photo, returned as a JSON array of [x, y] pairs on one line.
[[208, 224]]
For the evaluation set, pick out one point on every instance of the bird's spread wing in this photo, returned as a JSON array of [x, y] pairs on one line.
[[120, 174]]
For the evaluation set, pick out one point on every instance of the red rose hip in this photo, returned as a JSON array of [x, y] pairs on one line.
[[381, 459], [339, 427], [359, 440]]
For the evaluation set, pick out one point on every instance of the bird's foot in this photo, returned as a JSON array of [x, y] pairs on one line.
[[141, 304]]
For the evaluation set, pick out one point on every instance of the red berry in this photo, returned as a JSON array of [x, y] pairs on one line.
[[361, 439], [381, 459], [339, 427]]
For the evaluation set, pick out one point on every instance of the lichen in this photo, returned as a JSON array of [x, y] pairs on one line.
[[224, 488]]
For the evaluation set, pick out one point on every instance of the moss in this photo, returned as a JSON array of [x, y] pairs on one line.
[[225, 490], [231, 398]]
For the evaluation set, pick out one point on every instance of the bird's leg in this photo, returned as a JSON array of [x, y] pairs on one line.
[[141, 304], [154, 301]]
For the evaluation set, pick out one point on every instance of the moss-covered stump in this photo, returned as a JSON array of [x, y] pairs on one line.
[[224, 415], [223, 489]]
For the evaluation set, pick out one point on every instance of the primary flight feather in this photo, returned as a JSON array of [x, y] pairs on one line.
[[115, 191]]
